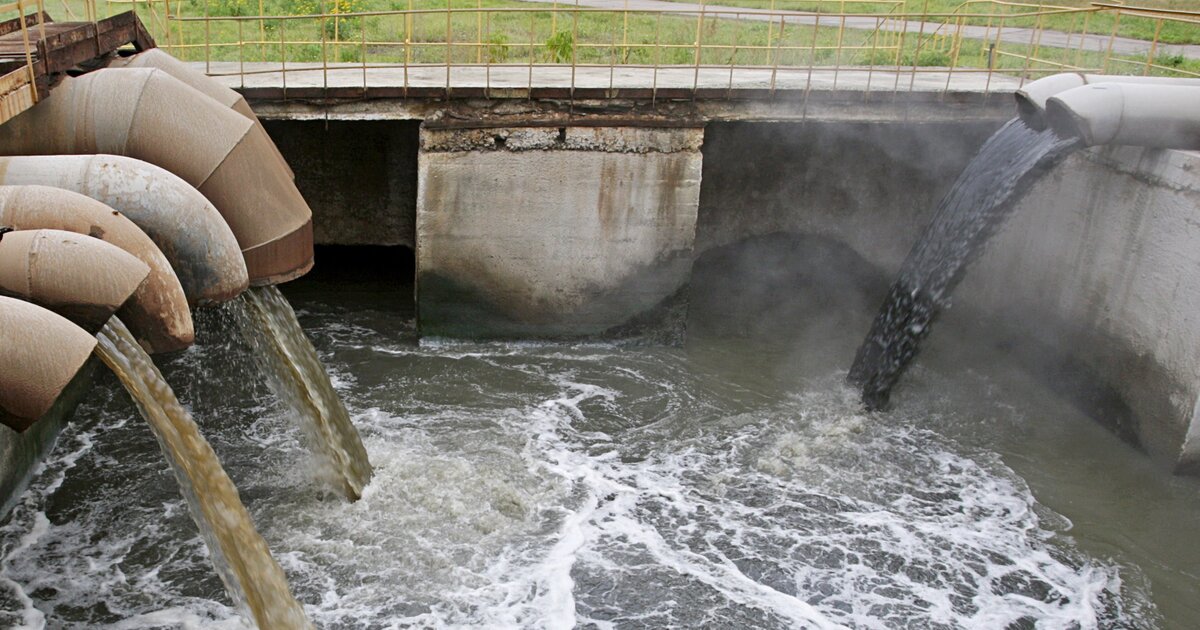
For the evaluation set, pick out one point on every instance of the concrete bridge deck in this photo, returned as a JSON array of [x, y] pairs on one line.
[[715, 93]]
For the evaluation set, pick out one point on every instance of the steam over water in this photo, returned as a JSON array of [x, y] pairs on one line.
[[981, 199], [599, 485]]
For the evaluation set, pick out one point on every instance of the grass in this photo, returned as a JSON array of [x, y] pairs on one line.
[[541, 36], [1136, 27]]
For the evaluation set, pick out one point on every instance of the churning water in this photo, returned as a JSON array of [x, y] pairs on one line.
[[608, 486], [981, 199]]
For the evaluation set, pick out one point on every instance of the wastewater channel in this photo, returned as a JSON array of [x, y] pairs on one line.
[[732, 479]]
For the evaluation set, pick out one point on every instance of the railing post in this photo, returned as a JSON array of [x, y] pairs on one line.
[[207, 40], [698, 50], [1153, 47]]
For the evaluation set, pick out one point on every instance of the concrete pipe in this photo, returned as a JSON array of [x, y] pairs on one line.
[[158, 314], [41, 353], [1032, 97], [79, 277], [147, 114], [1159, 116], [187, 228], [157, 58]]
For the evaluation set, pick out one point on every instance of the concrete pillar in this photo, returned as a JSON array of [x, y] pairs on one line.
[[552, 232]]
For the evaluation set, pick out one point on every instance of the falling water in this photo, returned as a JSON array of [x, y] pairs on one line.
[[251, 576], [300, 381], [981, 199]]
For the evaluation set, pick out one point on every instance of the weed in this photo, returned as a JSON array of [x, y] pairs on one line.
[[561, 47]]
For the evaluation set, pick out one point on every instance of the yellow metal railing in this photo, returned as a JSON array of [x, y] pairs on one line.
[[825, 40]]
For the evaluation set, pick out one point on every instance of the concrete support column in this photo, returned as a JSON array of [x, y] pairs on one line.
[[552, 232]]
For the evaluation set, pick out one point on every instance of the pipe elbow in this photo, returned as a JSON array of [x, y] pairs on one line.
[[158, 313], [1032, 97], [79, 277], [156, 58], [1159, 115], [165, 122], [41, 353], [190, 232]]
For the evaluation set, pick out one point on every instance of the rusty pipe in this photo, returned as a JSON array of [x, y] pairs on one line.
[[187, 228], [158, 314], [157, 58], [146, 114], [79, 277], [41, 353]]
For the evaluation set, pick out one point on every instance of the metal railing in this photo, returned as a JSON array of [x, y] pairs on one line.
[[426, 42], [18, 85]]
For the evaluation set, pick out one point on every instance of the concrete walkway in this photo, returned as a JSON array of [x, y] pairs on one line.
[[1052, 39], [509, 77]]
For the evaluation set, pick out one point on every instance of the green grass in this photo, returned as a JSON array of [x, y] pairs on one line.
[[540, 36], [1137, 27]]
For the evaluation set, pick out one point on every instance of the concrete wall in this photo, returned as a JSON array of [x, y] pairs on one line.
[[360, 178], [541, 232], [1098, 275], [872, 186], [552, 232]]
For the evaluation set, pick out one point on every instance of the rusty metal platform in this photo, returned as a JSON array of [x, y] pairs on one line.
[[35, 52]]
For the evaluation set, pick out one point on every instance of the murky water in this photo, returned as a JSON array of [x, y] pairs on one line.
[[296, 376], [733, 482]]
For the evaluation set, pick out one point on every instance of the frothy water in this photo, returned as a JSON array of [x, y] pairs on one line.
[[252, 577], [297, 377], [981, 199], [559, 485]]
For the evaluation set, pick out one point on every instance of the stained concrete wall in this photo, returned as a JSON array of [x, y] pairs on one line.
[[552, 232], [1098, 277], [360, 177]]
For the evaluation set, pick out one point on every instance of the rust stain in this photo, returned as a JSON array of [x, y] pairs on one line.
[[673, 172], [609, 198]]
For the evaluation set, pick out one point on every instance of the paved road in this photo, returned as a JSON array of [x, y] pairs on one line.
[[1053, 39]]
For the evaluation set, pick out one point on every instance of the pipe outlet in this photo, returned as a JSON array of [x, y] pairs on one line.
[[149, 115], [1162, 116], [41, 353], [1032, 97], [158, 314], [79, 277], [189, 231]]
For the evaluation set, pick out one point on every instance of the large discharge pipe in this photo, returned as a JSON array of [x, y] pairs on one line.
[[147, 114], [1160, 116], [158, 315], [1032, 97], [41, 353], [79, 277], [156, 58], [187, 228]]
